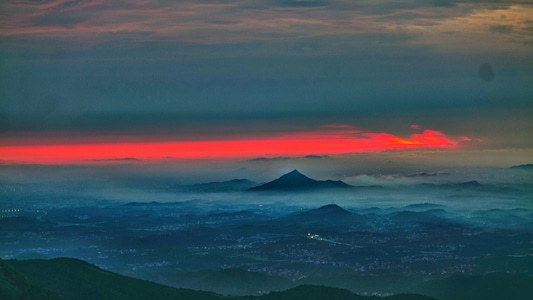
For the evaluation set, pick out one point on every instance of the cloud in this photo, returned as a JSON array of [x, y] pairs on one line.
[[329, 140], [474, 30], [204, 22], [486, 73], [390, 180], [226, 68], [501, 28], [123, 159], [316, 156], [301, 3]]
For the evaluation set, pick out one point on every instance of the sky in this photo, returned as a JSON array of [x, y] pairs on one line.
[[106, 80]]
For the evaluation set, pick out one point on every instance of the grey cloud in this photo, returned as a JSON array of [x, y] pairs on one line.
[[407, 16], [4, 121], [501, 28], [444, 2], [78, 5], [486, 73], [301, 3], [244, 22], [222, 22], [35, 2], [123, 159], [67, 20]]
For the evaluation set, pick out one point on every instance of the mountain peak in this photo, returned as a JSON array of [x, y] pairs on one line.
[[294, 174], [331, 209], [295, 180]]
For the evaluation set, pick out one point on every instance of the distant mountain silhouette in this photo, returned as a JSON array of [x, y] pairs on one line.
[[322, 215], [313, 292], [471, 183], [224, 186], [233, 281], [460, 185], [264, 159], [426, 174], [328, 210], [523, 167], [322, 218], [421, 207], [151, 204], [296, 181]]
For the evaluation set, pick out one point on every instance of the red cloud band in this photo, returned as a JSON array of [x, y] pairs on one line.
[[329, 140]]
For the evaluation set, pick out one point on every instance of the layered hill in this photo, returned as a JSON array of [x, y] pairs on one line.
[[67, 278], [75, 279], [296, 181], [223, 186]]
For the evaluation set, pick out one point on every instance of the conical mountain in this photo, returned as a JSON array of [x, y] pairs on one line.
[[296, 181]]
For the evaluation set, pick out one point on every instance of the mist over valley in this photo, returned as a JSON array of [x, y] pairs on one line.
[[371, 234]]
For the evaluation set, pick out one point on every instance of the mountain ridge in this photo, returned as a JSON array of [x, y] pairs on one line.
[[523, 167], [232, 185], [71, 278], [296, 181]]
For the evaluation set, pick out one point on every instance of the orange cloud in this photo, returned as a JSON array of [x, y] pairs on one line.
[[327, 140], [241, 21]]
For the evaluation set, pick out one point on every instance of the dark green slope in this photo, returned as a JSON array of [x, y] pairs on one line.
[[66, 278], [15, 285], [313, 292], [233, 282], [494, 286], [76, 279]]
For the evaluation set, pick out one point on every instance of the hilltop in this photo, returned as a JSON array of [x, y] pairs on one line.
[[296, 181]]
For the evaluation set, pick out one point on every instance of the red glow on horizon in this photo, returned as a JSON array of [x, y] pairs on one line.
[[330, 140]]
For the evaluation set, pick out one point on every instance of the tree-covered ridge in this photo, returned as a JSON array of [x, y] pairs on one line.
[[311, 292], [75, 279], [15, 285]]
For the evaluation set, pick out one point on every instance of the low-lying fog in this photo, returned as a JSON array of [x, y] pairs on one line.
[[384, 184]]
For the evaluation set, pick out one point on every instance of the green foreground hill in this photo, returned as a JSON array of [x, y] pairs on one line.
[[67, 278], [75, 279], [15, 285]]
